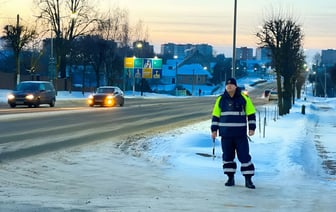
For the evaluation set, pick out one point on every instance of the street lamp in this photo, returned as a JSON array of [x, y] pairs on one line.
[[18, 61], [325, 81], [234, 39], [193, 76], [139, 47], [315, 83], [176, 66], [52, 62]]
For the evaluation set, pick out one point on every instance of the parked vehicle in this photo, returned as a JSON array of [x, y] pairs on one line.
[[107, 96], [243, 89], [266, 93], [32, 93], [273, 95]]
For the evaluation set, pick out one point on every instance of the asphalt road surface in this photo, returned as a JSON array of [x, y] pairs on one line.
[[29, 131]]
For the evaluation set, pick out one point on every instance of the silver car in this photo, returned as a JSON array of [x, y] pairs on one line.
[[273, 95], [107, 96]]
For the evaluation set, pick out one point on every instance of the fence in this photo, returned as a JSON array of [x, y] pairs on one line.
[[265, 114]]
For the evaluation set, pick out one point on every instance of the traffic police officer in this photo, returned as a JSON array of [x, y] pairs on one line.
[[233, 117]]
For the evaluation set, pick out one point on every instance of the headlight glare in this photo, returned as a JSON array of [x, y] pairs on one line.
[[10, 97], [30, 96]]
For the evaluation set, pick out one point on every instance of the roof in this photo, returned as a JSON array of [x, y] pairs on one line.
[[189, 69], [108, 86], [34, 81], [193, 69]]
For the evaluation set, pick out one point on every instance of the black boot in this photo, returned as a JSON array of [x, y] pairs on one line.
[[248, 182], [230, 181]]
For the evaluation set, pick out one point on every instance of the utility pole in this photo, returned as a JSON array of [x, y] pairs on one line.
[[325, 81], [234, 40], [18, 59], [52, 62], [193, 81]]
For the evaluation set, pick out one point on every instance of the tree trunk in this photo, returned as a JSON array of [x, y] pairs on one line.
[[17, 71], [97, 72], [294, 82], [279, 87], [298, 86], [287, 95]]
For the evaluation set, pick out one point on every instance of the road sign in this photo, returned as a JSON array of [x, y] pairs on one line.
[[147, 68]]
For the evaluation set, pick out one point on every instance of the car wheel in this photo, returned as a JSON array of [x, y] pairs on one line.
[[12, 105], [37, 104], [91, 105], [52, 103]]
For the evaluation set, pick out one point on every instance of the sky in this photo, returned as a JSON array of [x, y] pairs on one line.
[[163, 172], [201, 21]]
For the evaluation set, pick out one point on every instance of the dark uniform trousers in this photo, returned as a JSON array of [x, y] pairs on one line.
[[229, 144]]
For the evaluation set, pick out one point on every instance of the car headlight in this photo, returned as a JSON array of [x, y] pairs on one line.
[[10, 97], [30, 96], [110, 100]]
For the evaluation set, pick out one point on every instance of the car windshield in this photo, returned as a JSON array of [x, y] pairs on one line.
[[27, 87], [105, 90]]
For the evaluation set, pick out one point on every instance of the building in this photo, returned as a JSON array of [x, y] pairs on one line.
[[328, 57], [183, 50], [244, 53], [263, 53]]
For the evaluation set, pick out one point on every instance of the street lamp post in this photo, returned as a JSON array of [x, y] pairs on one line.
[[315, 83], [193, 82], [139, 46], [52, 62], [325, 82], [176, 67], [142, 83], [176, 74], [18, 59], [133, 79], [234, 39]]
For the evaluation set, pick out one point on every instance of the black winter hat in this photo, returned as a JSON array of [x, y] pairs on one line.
[[231, 81]]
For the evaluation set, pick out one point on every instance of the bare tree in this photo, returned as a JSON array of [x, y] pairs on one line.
[[317, 59], [17, 37], [300, 75], [140, 32], [283, 36], [68, 20], [114, 28], [114, 25]]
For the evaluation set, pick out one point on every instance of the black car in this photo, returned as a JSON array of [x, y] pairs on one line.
[[32, 93], [107, 96]]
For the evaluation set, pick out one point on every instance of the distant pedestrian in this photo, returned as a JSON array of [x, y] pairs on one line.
[[199, 92], [233, 117]]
